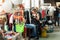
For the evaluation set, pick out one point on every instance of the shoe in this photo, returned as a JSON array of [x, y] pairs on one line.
[[37, 38], [32, 37]]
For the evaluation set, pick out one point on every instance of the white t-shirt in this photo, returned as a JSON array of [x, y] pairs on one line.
[[51, 11]]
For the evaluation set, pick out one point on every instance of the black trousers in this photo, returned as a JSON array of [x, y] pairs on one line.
[[38, 31], [56, 20]]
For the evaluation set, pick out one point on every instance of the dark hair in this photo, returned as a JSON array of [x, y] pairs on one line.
[[34, 10]]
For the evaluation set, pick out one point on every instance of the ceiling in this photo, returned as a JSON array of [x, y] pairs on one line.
[[53, 2], [48, 1], [57, 0]]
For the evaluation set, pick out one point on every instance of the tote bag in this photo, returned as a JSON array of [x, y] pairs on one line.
[[20, 27]]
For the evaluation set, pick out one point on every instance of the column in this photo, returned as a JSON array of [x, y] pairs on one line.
[[41, 2], [37, 3]]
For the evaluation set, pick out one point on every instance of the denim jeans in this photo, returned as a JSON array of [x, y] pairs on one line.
[[32, 26]]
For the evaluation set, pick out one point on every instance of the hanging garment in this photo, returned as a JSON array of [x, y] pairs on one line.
[[21, 12], [8, 16], [26, 14], [9, 24], [43, 14], [6, 27], [11, 21], [21, 19], [59, 12], [10, 27], [20, 27], [59, 15], [14, 26], [51, 11], [39, 15]]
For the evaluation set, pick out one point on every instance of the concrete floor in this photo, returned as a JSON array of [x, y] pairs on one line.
[[52, 36]]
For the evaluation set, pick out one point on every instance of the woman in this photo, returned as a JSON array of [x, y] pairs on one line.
[[36, 21]]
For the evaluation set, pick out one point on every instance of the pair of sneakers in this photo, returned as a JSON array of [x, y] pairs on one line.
[[34, 38]]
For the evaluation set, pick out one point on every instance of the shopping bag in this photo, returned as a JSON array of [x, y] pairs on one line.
[[46, 27], [51, 29], [20, 27], [44, 33]]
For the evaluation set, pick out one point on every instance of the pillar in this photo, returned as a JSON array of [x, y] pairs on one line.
[[41, 2]]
